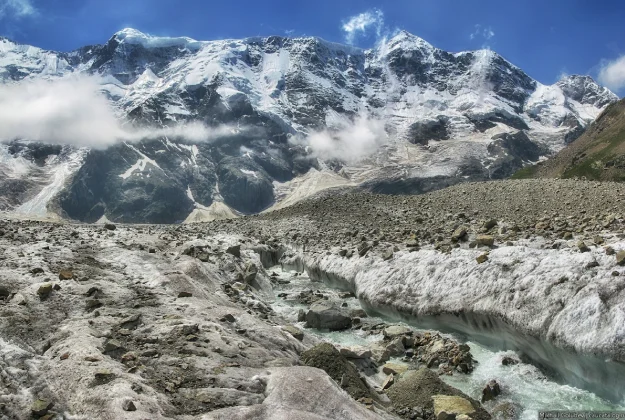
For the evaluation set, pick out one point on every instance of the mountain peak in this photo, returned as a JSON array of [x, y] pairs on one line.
[[406, 40], [586, 90], [135, 37]]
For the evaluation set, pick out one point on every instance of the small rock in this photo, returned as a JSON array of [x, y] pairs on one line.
[[44, 290], [620, 258], [448, 407], [509, 361], [491, 391], [185, 294], [234, 250], [103, 376], [485, 240], [592, 264], [482, 258], [36, 270], [110, 226], [129, 405], [394, 368], [390, 380], [41, 406], [459, 234], [64, 356], [228, 318], [581, 245], [395, 331], [294, 331], [66, 275]]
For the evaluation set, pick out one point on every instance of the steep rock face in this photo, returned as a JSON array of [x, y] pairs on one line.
[[442, 113]]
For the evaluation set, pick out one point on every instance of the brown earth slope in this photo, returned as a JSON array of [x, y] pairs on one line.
[[599, 154]]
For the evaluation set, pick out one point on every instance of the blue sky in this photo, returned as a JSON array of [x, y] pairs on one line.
[[546, 38]]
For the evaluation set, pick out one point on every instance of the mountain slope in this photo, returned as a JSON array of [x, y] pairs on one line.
[[599, 154], [446, 118]]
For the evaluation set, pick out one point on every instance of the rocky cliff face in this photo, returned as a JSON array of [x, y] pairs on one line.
[[447, 117]]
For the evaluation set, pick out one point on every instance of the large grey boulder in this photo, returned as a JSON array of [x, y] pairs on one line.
[[302, 393], [327, 316]]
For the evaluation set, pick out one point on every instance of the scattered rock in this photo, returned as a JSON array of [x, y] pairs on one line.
[[620, 258], [509, 361], [390, 380], [395, 331], [417, 388], [326, 357], [485, 240], [234, 250], [459, 234], [41, 407], [450, 407], [356, 352], [294, 331], [44, 290], [185, 294], [66, 275], [129, 405], [491, 391], [482, 258], [582, 247], [109, 226], [394, 368]]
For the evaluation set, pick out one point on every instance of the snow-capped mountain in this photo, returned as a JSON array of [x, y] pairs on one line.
[[448, 117]]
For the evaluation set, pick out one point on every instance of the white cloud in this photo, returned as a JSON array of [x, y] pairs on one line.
[[73, 111], [16, 8], [612, 73], [351, 143], [359, 24], [482, 32]]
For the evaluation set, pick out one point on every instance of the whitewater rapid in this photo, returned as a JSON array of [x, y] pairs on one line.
[[523, 385]]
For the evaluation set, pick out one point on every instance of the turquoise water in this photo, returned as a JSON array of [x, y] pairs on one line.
[[523, 384]]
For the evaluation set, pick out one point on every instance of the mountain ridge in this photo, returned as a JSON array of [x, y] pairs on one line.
[[447, 117]]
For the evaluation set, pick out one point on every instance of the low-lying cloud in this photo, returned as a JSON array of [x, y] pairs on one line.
[[74, 112], [612, 74], [351, 143], [360, 24]]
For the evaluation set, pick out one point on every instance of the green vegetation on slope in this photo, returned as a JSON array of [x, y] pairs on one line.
[[599, 154]]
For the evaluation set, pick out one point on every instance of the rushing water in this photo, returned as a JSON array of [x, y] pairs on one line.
[[522, 385]]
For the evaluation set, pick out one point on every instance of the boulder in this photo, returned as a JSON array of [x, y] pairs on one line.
[[459, 234], [491, 391], [620, 258], [40, 407], [450, 407], [417, 388], [395, 331], [234, 250], [44, 290], [326, 316], [327, 358], [356, 352], [294, 331], [485, 240], [394, 368], [250, 273], [299, 393]]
